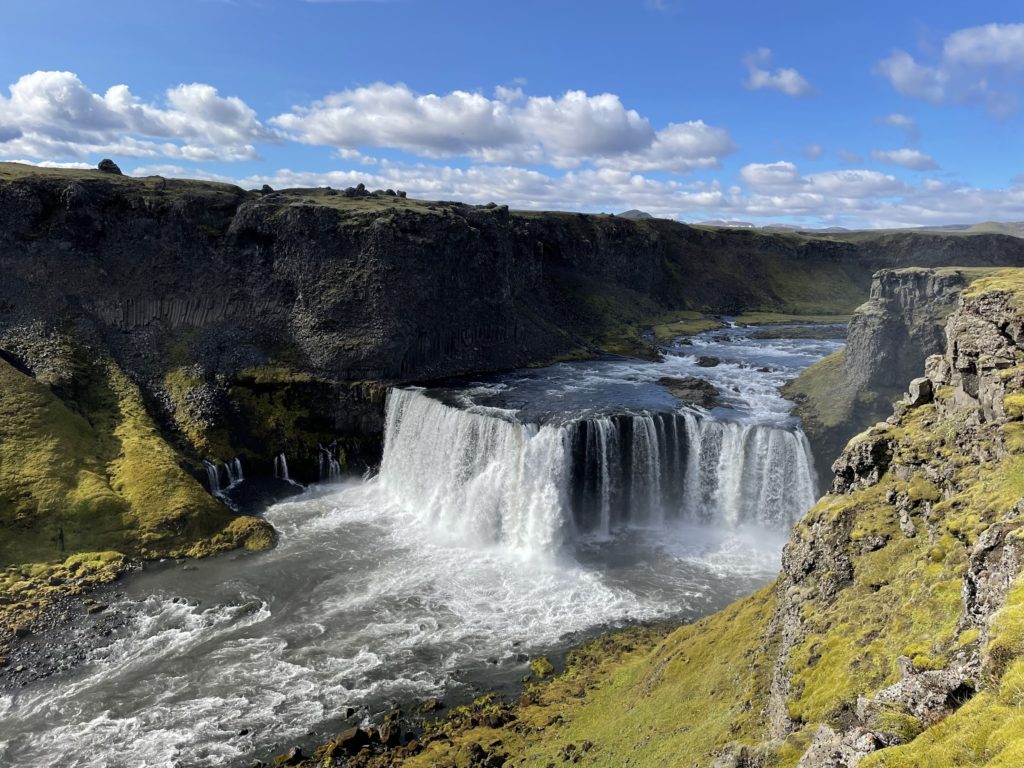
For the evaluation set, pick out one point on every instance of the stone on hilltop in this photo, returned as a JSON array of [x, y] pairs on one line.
[[109, 166]]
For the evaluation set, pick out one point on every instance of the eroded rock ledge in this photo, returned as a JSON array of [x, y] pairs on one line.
[[888, 339]]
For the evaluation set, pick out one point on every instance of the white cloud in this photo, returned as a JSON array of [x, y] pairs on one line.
[[54, 164], [769, 192], [905, 123], [850, 158], [512, 127], [813, 151], [988, 45], [907, 158], [56, 115], [913, 79], [764, 177], [977, 64], [786, 80]]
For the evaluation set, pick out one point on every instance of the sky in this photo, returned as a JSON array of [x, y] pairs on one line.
[[868, 114]]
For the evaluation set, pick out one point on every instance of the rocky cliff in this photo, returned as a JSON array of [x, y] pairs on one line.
[[149, 324], [894, 635], [264, 322], [888, 339]]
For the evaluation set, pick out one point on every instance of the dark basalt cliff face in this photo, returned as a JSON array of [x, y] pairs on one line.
[[264, 323], [888, 339]]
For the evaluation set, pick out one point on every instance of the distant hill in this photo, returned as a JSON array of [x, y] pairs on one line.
[[633, 213], [729, 223]]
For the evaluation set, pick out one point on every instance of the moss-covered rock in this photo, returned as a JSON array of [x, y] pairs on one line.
[[94, 474]]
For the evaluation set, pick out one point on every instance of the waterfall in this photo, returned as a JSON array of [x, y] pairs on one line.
[[213, 477], [233, 470], [330, 467], [233, 473], [476, 476], [532, 487], [281, 468]]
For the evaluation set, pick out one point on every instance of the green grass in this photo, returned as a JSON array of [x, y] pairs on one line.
[[822, 391], [93, 475], [685, 324], [778, 318]]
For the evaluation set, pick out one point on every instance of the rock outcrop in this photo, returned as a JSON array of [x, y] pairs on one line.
[[888, 339]]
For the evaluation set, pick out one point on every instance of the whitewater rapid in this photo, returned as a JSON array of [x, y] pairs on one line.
[[506, 521]]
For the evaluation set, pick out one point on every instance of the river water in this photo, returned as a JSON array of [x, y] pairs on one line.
[[512, 516]]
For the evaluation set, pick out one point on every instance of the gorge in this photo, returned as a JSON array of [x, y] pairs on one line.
[[570, 423]]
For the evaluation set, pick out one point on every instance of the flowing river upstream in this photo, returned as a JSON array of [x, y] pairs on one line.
[[511, 517]]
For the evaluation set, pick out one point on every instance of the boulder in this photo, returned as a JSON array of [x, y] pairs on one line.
[[708, 361], [352, 740], [691, 389], [921, 392], [109, 166]]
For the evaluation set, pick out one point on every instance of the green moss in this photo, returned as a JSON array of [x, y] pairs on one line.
[[823, 391], [636, 701], [27, 590], [778, 318], [685, 324], [87, 484], [541, 667], [891, 720], [182, 385]]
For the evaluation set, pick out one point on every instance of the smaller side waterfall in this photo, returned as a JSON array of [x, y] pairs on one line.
[[281, 468], [330, 467], [213, 477], [233, 469]]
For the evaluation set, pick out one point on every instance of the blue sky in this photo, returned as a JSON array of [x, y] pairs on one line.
[[818, 113]]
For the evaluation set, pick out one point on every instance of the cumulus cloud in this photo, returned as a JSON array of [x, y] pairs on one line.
[[512, 127], [906, 158], [54, 114], [784, 79], [768, 192], [903, 122], [977, 64], [988, 45], [785, 177]]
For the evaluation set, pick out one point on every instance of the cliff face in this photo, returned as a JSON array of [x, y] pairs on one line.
[[894, 635], [197, 290], [888, 339]]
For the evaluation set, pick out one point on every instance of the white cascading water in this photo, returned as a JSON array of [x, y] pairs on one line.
[[477, 476], [281, 467], [330, 467], [532, 487], [213, 477], [233, 469]]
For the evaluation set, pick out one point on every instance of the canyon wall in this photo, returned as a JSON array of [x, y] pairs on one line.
[[257, 323], [888, 339]]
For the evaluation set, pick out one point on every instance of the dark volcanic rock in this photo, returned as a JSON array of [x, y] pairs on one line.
[[708, 361], [352, 294], [691, 389], [109, 166]]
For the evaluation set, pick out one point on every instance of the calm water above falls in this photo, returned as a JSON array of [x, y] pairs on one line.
[[412, 584]]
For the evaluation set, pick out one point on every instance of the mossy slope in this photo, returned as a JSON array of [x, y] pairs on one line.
[[92, 474]]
